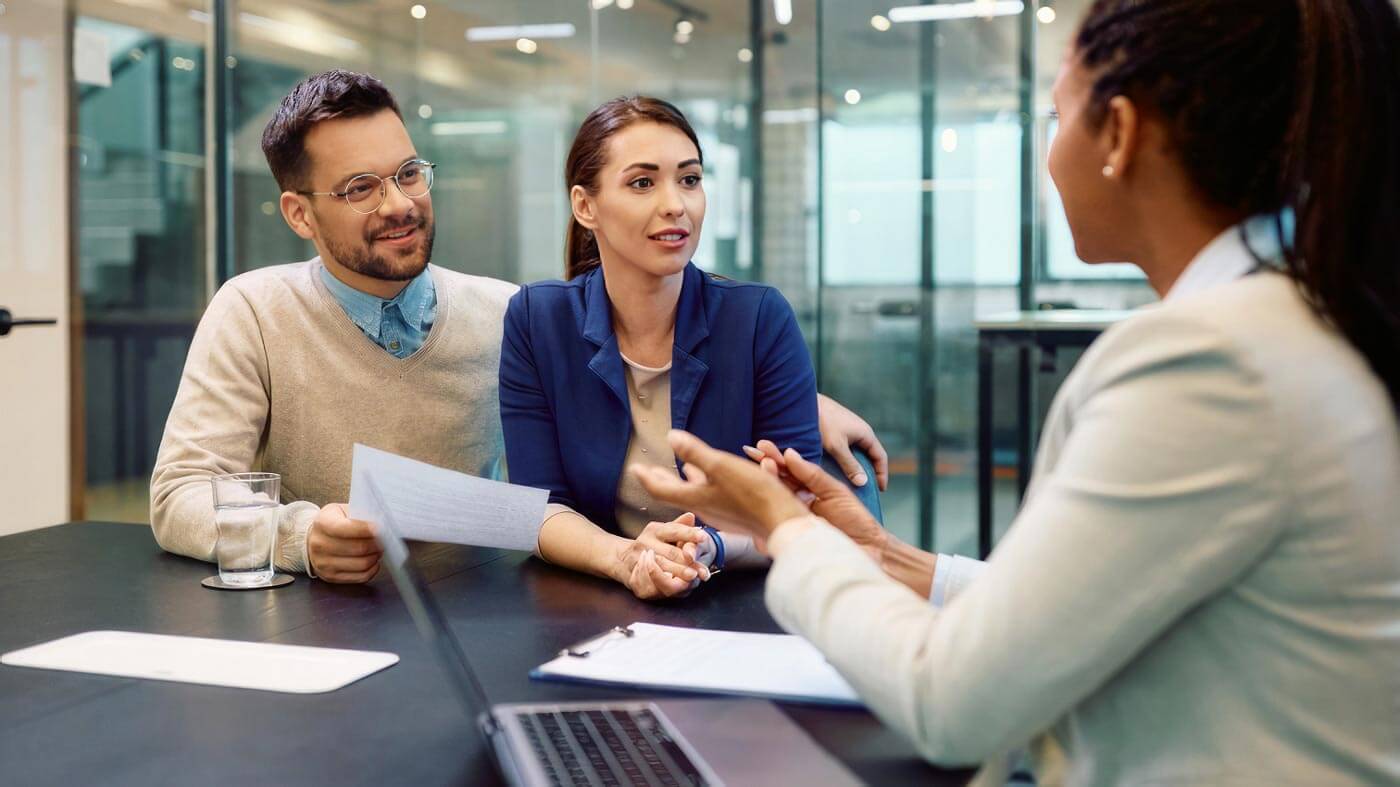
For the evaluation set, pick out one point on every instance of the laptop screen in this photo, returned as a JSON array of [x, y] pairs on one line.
[[427, 615]]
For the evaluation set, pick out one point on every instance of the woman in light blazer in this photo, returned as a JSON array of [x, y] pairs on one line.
[[1203, 584]]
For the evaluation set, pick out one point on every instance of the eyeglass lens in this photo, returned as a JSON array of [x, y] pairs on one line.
[[415, 179]]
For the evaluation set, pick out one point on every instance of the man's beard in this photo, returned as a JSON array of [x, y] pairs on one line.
[[362, 260]]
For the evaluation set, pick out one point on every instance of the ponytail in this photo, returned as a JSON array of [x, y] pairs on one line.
[[1343, 175], [1278, 106], [580, 250]]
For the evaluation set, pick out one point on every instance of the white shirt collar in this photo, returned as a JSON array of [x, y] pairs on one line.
[[1228, 258]]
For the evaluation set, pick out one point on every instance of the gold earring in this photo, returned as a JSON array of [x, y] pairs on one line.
[[1108, 171]]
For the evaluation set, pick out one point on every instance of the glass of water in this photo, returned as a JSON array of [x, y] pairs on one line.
[[246, 511]]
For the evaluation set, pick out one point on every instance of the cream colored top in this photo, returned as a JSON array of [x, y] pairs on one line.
[[279, 379], [649, 396], [1203, 584], [649, 392]]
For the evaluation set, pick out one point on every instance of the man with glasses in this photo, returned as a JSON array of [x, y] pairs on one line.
[[292, 365]]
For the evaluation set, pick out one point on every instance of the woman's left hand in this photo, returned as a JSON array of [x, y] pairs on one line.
[[725, 491]]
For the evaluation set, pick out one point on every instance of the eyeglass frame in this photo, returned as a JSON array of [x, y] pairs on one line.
[[383, 189]]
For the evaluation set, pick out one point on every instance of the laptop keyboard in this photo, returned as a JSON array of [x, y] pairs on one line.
[[607, 747]]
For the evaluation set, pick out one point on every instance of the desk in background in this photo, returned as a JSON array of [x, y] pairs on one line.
[[399, 726], [1045, 332]]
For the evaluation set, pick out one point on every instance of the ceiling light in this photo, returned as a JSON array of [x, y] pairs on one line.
[[685, 27], [950, 140], [852, 96], [506, 33], [527, 46], [972, 10], [779, 117], [745, 55], [1046, 14], [782, 11], [464, 127], [624, 4], [682, 38], [599, 5], [880, 23], [425, 111], [418, 12], [308, 37]]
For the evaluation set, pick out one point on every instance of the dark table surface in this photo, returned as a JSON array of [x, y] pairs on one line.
[[403, 725]]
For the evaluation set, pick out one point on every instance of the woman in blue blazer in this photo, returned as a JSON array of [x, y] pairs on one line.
[[596, 369]]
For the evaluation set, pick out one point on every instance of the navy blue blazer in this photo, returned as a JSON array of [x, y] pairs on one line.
[[740, 372]]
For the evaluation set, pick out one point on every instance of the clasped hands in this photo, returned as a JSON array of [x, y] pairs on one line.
[[662, 561]]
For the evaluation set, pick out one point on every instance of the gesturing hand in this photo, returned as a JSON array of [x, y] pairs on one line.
[[724, 490], [825, 495]]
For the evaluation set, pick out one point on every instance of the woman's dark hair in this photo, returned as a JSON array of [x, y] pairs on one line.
[[588, 156], [325, 96], [1279, 106]]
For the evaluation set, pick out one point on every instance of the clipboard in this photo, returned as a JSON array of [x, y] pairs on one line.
[[703, 661]]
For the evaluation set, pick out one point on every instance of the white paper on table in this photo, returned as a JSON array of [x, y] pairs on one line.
[[435, 504], [776, 666], [295, 669]]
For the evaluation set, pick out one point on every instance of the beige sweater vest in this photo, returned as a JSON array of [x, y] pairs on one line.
[[279, 379]]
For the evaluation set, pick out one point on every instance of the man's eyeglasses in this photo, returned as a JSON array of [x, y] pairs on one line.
[[367, 192]]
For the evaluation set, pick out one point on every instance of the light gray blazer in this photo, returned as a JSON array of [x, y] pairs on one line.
[[1203, 586]]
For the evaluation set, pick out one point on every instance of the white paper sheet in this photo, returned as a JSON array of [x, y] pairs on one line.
[[91, 62], [435, 504], [294, 669], [777, 666]]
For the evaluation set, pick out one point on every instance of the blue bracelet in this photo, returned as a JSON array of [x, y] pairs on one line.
[[719, 547]]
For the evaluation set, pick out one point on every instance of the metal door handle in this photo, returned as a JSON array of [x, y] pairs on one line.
[[897, 309], [7, 322]]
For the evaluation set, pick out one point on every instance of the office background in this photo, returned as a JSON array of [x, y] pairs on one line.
[[887, 175]]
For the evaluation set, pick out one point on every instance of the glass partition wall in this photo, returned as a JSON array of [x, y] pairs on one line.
[[935, 211], [886, 174], [492, 92]]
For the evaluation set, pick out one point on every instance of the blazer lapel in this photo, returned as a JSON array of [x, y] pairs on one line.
[[597, 329], [692, 327]]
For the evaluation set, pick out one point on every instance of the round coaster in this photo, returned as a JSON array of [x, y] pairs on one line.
[[278, 580]]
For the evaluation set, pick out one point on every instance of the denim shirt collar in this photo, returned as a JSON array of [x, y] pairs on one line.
[[367, 311]]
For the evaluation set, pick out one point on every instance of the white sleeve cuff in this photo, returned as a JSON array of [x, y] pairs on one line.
[[951, 576], [740, 552]]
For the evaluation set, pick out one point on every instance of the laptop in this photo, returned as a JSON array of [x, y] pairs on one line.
[[656, 742]]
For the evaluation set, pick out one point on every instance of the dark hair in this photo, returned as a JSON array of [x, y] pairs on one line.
[[324, 96], [587, 157], [1280, 106]]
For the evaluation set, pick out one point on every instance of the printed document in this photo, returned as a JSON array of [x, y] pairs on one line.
[[432, 503]]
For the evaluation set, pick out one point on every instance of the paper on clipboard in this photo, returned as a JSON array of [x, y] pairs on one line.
[[432, 503], [775, 666]]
